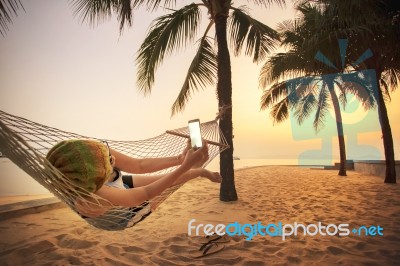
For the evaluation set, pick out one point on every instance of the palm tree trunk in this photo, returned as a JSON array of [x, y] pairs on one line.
[[224, 92], [339, 125], [390, 176]]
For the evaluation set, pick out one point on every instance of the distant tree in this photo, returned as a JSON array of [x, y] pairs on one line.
[[376, 27], [304, 85]]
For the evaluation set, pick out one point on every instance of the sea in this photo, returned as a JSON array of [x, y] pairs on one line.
[[15, 182]]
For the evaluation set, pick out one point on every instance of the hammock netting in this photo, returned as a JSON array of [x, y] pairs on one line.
[[26, 144]]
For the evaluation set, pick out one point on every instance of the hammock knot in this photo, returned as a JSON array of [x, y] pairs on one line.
[[221, 111]]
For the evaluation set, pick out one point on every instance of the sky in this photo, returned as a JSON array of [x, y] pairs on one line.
[[66, 74]]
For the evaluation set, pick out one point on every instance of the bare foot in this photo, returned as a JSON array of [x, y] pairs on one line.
[[212, 176]]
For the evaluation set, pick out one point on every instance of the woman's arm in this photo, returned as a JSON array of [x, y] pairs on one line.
[[143, 180], [136, 196], [146, 165]]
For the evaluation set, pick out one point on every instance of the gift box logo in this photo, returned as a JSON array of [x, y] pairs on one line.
[[312, 93]]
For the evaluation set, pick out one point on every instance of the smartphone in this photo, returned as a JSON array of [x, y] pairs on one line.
[[195, 133]]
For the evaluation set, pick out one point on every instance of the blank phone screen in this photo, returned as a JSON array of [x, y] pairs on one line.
[[195, 135]]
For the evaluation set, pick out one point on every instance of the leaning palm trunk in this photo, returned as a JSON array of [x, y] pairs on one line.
[[390, 176], [339, 125], [224, 91]]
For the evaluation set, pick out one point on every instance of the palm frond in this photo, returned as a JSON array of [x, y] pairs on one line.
[[202, 72], [260, 39], [363, 87], [290, 36], [154, 4], [283, 66], [273, 94], [322, 109], [385, 92], [337, 21], [98, 11], [168, 33], [280, 111], [392, 77], [125, 11], [8, 10], [301, 87], [266, 3], [94, 11], [305, 107], [342, 95]]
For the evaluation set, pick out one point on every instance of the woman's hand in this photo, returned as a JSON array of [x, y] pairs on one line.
[[181, 157], [205, 156], [195, 158]]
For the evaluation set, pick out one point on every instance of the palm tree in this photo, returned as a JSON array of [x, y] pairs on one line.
[[313, 87], [8, 9], [168, 33], [376, 27]]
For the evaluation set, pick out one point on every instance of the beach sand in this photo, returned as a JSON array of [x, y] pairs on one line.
[[269, 194]]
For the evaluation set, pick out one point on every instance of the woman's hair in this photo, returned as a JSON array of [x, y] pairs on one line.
[[86, 163]]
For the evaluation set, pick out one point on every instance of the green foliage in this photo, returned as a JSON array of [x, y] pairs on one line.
[[308, 94], [202, 72], [260, 38], [97, 11], [168, 33]]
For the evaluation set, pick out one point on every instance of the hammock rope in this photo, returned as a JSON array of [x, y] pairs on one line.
[[26, 144]]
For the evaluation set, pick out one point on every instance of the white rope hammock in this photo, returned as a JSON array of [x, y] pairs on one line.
[[26, 144]]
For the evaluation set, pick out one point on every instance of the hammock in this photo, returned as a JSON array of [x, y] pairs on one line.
[[26, 144]]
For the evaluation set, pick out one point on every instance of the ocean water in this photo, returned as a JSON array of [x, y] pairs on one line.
[[14, 181], [251, 162]]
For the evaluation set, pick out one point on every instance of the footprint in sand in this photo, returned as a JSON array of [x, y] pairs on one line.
[[296, 206], [335, 250], [294, 260], [66, 241], [253, 217], [134, 249]]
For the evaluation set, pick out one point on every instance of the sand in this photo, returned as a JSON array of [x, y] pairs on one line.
[[268, 194]]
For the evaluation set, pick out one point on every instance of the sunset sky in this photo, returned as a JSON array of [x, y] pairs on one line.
[[59, 72]]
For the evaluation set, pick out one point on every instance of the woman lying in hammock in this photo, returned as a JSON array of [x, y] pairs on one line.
[[94, 167]]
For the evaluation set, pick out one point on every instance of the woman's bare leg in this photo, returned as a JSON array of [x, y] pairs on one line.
[[189, 175], [199, 172]]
